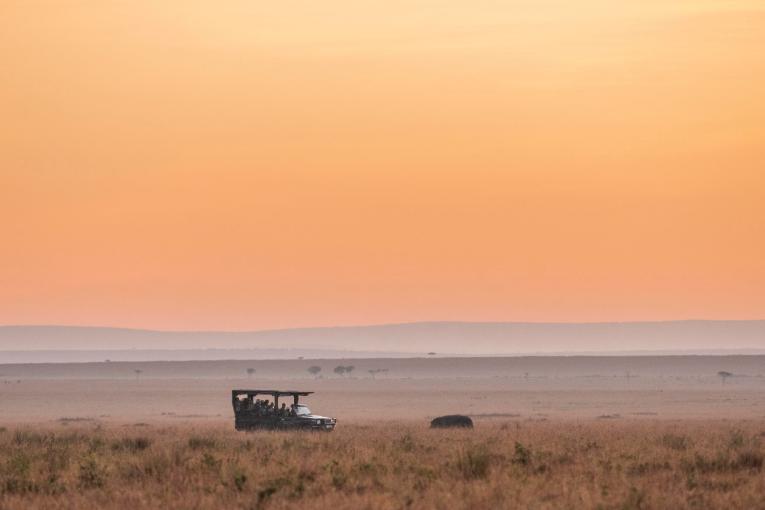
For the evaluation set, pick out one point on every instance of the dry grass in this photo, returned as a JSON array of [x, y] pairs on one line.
[[616, 464]]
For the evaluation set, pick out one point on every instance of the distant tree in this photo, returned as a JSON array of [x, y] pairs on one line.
[[250, 371], [339, 370], [349, 369], [723, 375], [138, 373], [373, 372], [431, 354], [314, 370]]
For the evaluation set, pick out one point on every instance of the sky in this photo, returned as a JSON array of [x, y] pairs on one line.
[[242, 165]]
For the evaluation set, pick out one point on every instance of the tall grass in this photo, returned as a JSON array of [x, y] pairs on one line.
[[594, 464]]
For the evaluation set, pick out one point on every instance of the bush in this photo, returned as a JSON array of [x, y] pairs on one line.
[[131, 444], [750, 460], [522, 455], [91, 475], [474, 463], [674, 442], [201, 443], [239, 480]]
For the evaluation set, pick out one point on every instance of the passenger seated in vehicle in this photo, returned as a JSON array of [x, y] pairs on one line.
[[283, 410]]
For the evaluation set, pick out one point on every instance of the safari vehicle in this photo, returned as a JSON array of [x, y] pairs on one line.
[[252, 413]]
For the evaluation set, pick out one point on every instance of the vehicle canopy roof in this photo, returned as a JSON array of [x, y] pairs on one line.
[[273, 393]]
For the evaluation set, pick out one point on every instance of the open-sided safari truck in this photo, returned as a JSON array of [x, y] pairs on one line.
[[252, 412]]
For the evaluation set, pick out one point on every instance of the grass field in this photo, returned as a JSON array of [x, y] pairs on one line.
[[531, 464]]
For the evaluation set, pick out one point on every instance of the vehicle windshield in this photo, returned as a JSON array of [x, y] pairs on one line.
[[302, 410]]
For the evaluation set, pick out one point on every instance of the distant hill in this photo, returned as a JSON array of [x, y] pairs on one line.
[[466, 338]]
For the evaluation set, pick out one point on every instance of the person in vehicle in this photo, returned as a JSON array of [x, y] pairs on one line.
[[300, 409]]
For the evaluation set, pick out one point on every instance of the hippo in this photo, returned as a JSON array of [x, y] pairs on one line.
[[452, 420]]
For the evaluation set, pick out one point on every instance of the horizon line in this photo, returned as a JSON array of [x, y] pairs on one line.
[[375, 325]]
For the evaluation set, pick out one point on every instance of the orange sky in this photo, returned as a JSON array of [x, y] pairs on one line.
[[248, 164]]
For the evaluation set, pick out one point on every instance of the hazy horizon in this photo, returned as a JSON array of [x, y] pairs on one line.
[[441, 338], [374, 324]]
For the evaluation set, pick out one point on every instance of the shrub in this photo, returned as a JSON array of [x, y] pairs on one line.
[[406, 443], [239, 480], [200, 443], [271, 487], [28, 439], [737, 439], [675, 442], [18, 464], [91, 475], [635, 500], [210, 461], [474, 463], [131, 444], [750, 460], [522, 455]]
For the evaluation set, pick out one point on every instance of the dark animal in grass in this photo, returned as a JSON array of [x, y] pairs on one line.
[[452, 420]]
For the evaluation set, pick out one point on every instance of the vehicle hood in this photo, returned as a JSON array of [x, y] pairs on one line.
[[315, 417]]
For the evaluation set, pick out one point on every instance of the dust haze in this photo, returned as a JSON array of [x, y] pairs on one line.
[[517, 388], [60, 343], [400, 371]]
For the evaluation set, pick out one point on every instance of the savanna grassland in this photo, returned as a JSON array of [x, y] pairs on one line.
[[597, 463]]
